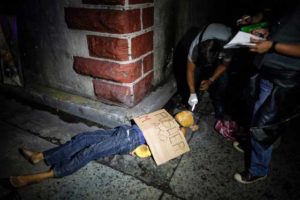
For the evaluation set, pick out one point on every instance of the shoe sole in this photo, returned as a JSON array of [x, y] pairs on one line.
[[238, 178]]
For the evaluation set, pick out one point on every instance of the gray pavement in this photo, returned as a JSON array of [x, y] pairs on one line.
[[203, 173]]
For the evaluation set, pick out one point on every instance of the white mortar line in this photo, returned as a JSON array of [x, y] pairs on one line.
[[119, 62], [129, 40], [129, 49], [115, 83], [143, 76], [136, 81], [115, 35], [116, 7], [143, 66], [131, 92], [125, 84], [141, 18], [126, 4]]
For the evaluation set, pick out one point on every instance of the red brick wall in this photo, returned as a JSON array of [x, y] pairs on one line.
[[120, 46]]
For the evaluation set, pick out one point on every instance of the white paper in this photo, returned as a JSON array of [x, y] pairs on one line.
[[241, 39]]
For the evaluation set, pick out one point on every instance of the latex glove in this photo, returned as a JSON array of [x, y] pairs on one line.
[[193, 100]]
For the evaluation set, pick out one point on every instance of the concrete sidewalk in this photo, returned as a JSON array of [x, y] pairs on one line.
[[203, 173]]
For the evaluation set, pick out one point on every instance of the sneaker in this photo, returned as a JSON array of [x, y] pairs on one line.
[[247, 178], [238, 146]]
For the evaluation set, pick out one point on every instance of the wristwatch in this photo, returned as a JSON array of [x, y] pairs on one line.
[[211, 80], [272, 48]]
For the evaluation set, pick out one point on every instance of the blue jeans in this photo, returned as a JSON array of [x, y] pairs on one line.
[[260, 157], [85, 147]]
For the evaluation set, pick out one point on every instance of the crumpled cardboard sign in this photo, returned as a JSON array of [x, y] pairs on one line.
[[163, 135]]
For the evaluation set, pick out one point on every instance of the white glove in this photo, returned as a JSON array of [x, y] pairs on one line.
[[193, 100]]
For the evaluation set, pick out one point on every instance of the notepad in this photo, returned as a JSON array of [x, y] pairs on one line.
[[242, 39]]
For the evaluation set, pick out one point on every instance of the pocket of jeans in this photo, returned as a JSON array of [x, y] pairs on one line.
[[134, 140], [128, 142]]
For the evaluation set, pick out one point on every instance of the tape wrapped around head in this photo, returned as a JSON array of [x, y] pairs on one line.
[[185, 118]]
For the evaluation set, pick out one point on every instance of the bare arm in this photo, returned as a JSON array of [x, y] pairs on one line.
[[191, 76], [281, 48], [217, 73], [288, 49]]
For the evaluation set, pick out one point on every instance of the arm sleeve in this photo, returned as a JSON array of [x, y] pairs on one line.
[[226, 55]]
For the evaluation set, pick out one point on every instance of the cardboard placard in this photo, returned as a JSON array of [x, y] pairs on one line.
[[163, 135]]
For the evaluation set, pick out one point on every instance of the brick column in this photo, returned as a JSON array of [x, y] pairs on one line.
[[120, 48]]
